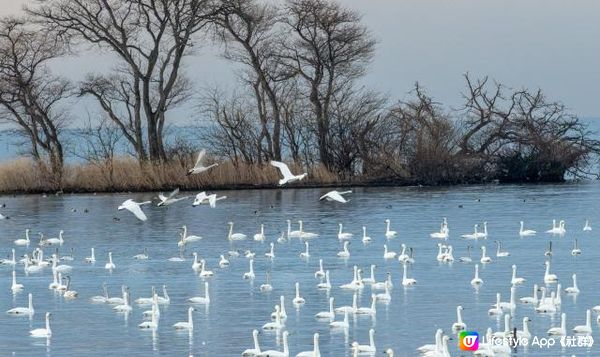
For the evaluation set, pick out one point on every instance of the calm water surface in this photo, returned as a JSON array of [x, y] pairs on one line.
[[237, 306]]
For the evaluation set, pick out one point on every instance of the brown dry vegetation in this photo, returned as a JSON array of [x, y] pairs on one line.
[[24, 176]]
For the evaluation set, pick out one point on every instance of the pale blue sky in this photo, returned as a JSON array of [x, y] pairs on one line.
[[552, 44]]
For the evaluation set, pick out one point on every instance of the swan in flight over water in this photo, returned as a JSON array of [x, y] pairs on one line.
[[170, 199], [203, 198], [335, 196], [199, 165], [134, 207], [288, 177]]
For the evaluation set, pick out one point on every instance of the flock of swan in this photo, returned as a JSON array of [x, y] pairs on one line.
[[545, 298]]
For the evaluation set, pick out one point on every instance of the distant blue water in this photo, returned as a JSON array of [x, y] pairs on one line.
[[237, 306]]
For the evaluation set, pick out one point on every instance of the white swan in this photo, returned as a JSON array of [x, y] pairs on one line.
[[448, 256], [235, 236], [32, 268], [153, 323], [405, 280], [91, 258], [365, 239], [63, 268], [298, 300], [515, 280], [371, 310], [549, 278], [125, 307], [306, 235], [320, 273], [336, 196], [575, 250], [326, 285], [201, 299], [68, 293], [531, 299], [271, 253], [370, 348], [562, 330], [142, 256], [15, 287], [146, 301], [284, 170], [441, 252], [203, 272], [110, 265], [573, 289], [290, 233], [557, 229], [29, 310], [587, 227], [306, 253], [499, 253], [23, 242], [351, 309], [459, 325], [443, 233], [385, 296], [101, 299], [315, 352], [196, 263], [510, 305], [165, 299], [327, 314], [371, 279], [483, 234], [274, 353], [340, 324], [430, 348], [260, 236], [43, 332], [526, 232], [223, 262], [56, 241], [250, 274], [266, 287], [134, 207], [170, 198], [389, 352], [388, 254], [496, 310], [525, 332], [383, 284], [251, 352], [507, 329], [389, 233], [356, 283], [484, 258], [545, 306], [282, 312], [345, 253], [473, 235], [186, 325], [587, 328], [199, 166], [476, 280], [12, 261], [185, 239], [468, 258], [277, 324], [343, 235]]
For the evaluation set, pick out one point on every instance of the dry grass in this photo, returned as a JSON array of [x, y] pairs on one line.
[[23, 175]]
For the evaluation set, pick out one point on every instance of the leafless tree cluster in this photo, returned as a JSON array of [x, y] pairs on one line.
[[31, 97], [299, 63]]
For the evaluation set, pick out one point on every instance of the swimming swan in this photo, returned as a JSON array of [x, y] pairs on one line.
[[43, 332], [459, 325], [189, 325], [370, 348], [201, 299], [573, 289], [29, 311], [389, 233], [274, 353], [251, 352], [587, 328], [235, 236], [315, 352], [327, 314], [298, 300], [562, 330], [110, 265], [525, 232]]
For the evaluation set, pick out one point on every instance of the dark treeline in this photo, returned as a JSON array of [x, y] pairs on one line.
[[300, 99]]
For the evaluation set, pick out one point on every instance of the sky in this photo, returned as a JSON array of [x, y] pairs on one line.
[[548, 44]]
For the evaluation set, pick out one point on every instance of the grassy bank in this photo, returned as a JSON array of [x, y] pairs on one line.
[[24, 176]]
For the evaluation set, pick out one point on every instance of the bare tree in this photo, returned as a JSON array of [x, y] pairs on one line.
[[30, 96], [151, 39], [328, 48], [249, 30], [100, 145]]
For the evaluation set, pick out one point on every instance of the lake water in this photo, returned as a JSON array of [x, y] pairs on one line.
[[237, 306]]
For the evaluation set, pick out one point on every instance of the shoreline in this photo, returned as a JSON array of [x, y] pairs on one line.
[[23, 177]]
